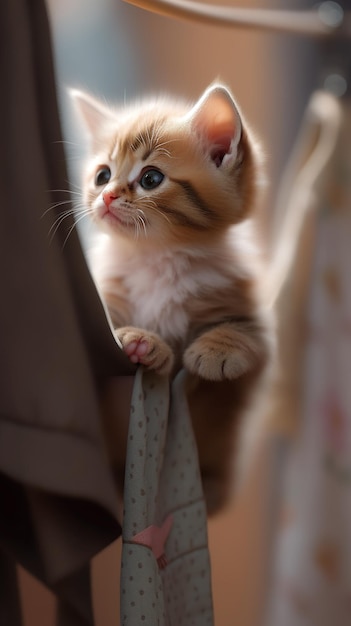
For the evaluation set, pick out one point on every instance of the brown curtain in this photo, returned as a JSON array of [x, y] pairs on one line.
[[57, 353]]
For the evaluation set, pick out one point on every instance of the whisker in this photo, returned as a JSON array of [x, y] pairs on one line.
[[165, 143], [70, 191], [73, 157], [160, 147], [72, 229], [71, 143], [54, 206], [147, 202], [76, 206], [163, 215], [71, 185], [57, 223], [140, 222], [153, 207], [137, 228], [164, 151]]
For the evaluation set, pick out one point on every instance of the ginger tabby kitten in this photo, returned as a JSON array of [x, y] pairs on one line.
[[168, 185]]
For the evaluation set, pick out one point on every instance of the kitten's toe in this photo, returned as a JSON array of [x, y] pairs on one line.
[[207, 365], [159, 357], [146, 348], [136, 350], [216, 362]]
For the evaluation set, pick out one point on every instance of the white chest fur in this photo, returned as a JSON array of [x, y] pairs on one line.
[[159, 284]]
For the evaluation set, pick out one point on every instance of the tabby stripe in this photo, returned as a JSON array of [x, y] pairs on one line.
[[142, 140], [147, 154], [147, 138], [138, 141], [181, 218], [195, 198]]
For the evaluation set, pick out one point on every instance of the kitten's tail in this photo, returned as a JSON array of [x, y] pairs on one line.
[[302, 187]]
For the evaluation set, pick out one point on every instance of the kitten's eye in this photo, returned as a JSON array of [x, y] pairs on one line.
[[151, 179], [102, 176]]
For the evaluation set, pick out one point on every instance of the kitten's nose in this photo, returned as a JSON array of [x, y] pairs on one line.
[[108, 197]]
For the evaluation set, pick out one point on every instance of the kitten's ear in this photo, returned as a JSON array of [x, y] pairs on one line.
[[216, 119], [92, 112]]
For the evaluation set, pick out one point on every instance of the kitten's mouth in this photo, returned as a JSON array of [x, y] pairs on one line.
[[114, 217]]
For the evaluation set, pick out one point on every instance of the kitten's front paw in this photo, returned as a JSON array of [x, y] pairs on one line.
[[223, 353], [147, 348]]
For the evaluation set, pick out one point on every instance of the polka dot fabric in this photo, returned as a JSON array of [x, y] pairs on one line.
[[165, 577]]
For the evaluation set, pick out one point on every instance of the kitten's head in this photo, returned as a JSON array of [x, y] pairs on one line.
[[167, 172]]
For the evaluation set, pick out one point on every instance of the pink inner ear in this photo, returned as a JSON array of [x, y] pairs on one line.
[[220, 148], [217, 121]]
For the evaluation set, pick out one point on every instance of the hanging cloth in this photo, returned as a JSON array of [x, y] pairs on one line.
[[311, 575], [165, 576]]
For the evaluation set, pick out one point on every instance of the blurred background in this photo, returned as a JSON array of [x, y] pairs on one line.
[[117, 51]]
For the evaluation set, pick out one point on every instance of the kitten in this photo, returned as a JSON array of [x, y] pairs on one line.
[[168, 185]]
